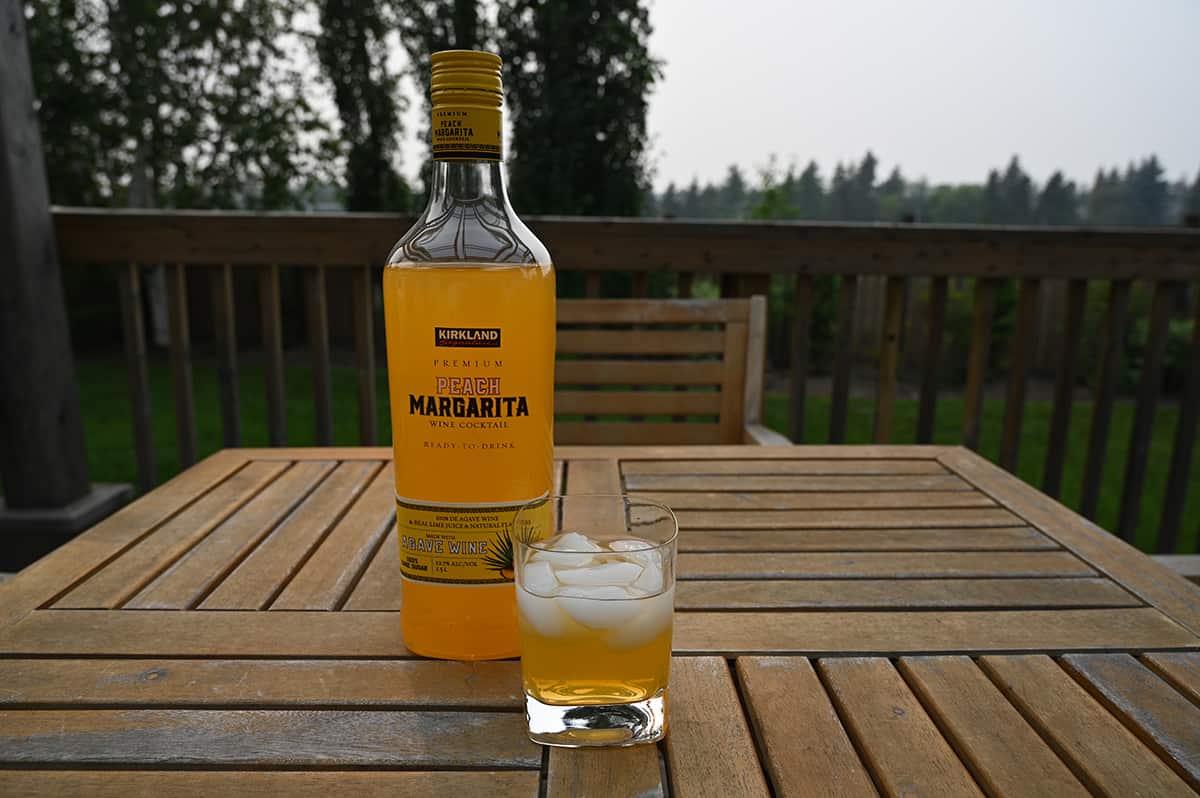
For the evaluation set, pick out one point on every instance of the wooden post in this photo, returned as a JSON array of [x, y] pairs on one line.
[[42, 458]]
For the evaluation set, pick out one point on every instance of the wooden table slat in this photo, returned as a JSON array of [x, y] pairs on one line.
[[788, 500], [258, 683], [266, 738], [335, 567], [745, 466], [267, 784], [901, 745], [806, 747], [188, 579], [1001, 749], [123, 577], [865, 539], [847, 519], [379, 588], [253, 583], [880, 564], [1105, 755], [805, 483], [710, 750], [634, 771], [1181, 670], [1158, 714]]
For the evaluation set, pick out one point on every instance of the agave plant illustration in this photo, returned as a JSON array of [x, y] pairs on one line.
[[500, 556]]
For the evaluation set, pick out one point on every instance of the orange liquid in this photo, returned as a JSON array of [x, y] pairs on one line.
[[573, 665], [470, 462]]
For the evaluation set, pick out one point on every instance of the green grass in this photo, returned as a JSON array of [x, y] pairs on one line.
[[108, 427]]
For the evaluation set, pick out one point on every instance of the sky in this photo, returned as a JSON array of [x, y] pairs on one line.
[[946, 89]]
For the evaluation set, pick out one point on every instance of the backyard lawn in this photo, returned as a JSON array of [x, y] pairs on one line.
[[108, 427]]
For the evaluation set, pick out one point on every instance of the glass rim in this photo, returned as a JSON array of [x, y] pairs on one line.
[[629, 499]]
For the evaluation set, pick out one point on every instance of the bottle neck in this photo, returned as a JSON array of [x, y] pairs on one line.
[[466, 183]]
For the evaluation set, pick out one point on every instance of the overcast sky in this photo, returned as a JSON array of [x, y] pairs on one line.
[[944, 88]]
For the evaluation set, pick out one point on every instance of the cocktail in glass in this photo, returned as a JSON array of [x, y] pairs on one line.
[[595, 579]]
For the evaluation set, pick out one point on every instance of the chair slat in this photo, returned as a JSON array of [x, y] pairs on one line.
[[733, 378], [1024, 341], [1064, 388], [272, 336], [134, 332], [842, 359], [181, 364], [801, 350], [618, 433], [317, 314], [1110, 363], [638, 372], [932, 360], [225, 327], [1149, 386], [641, 342], [977, 359], [649, 311], [1185, 442], [363, 304], [889, 358], [683, 403]]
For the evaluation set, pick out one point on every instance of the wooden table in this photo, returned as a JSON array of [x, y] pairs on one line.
[[851, 619]]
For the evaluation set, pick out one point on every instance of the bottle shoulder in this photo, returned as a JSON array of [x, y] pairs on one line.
[[468, 232]]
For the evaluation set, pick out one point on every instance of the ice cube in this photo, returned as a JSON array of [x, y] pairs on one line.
[[543, 614], [538, 578], [650, 580], [652, 616], [598, 606], [612, 573], [638, 551], [630, 545], [573, 541], [562, 548]]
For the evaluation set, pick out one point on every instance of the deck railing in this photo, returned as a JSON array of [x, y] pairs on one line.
[[745, 257]]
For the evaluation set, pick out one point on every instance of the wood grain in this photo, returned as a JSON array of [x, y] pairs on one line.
[[901, 745], [781, 500], [123, 577], [802, 306], [627, 432], [1136, 572], [133, 335], [932, 360], [709, 747], [879, 565], [1105, 755], [977, 359], [49, 577], [603, 772], [262, 783], [266, 738], [799, 483], [638, 372], [646, 402], [1105, 391], [977, 593], [379, 588], [847, 519], [272, 340], [639, 342], [265, 570], [179, 683], [1005, 754], [1024, 341], [949, 631], [317, 319], [652, 311], [733, 384], [1064, 387], [846, 540], [188, 579], [180, 351], [327, 578], [746, 465], [225, 333], [806, 749], [840, 392], [1159, 715], [1181, 670], [889, 359]]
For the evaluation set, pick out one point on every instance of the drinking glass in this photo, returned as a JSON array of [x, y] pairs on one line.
[[595, 580]]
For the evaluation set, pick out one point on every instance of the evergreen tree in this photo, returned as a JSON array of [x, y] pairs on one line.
[[808, 196], [691, 201], [578, 78], [1008, 198], [1191, 204], [1057, 204], [669, 205], [893, 199], [1146, 193], [732, 202], [1106, 200], [353, 54]]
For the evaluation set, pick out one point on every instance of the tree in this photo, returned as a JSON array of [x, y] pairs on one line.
[[1146, 193], [578, 75], [852, 191], [808, 193], [427, 26], [669, 204], [353, 55], [193, 105], [1106, 200], [732, 203], [1057, 204], [1008, 198], [893, 199], [1191, 203]]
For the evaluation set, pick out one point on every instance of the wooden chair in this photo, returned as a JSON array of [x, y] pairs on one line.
[[661, 371]]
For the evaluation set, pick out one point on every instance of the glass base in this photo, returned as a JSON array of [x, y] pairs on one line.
[[597, 725]]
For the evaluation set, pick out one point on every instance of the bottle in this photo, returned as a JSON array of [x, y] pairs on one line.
[[470, 315]]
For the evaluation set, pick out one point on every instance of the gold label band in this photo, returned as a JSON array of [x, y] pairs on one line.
[[466, 133]]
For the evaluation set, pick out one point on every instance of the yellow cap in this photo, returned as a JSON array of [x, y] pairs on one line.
[[473, 71]]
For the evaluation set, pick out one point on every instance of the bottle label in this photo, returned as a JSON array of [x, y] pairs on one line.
[[458, 544], [466, 133]]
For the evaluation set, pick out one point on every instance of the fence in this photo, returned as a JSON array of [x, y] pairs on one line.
[[744, 257]]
